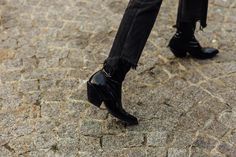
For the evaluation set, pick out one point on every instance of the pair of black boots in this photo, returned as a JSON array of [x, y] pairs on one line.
[[106, 84]]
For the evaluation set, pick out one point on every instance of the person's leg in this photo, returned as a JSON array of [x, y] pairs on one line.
[[134, 29], [106, 84], [189, 13]]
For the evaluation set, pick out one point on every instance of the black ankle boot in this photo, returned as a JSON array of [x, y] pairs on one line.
[[106, 86], [184, 41]]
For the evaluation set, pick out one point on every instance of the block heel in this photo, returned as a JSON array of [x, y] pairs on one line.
[[178, 53], [93, 95]]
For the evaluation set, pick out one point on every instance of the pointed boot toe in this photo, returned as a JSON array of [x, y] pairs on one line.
[[117, 111], [203, 53]]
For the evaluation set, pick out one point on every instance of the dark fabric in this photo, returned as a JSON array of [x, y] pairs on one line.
[[117, 74], [137, 23], [192, 11], [135, 27], [186, 29]]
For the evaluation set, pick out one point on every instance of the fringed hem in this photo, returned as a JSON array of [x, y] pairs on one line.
[[127, 61], [114, 62], [201, 27]]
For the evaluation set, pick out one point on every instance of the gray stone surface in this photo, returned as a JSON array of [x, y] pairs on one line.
[[48, 50]]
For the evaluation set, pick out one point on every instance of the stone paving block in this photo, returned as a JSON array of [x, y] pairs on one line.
[[11, 101], [10, 76], [126, 152], [223, 3], [67, 147], [4, 152], [48, 63], [181, 139], [118, 153], [69, 84], [205, 142], [32, 97], [80, 94], [14, 64], [219, 69], [198, 152], [215, 128], [122, 141], [231, 138], [113, 126], [5, 138], [175, 152], [60, 111], [90, 144], [81, 73], [189, 98], [68, 130], [46, 84], [137, 153], [91, 127], [227, 149], [89, 154], [75, 109], [7, 89], [40, 153], [54, 95], [28, 86], [228, 118], [21, 145], [97, 113], [156, 152], [45, 125], [157, 139], [45, 140], [23, 128]]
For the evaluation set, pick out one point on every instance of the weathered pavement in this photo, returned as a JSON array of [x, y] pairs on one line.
[[48, 50]]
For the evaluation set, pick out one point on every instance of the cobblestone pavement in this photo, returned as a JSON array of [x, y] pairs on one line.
[[48, 50]]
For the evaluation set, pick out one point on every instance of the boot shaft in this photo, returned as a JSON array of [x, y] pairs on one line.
[[118, 74], [186, 29], [184, 38]]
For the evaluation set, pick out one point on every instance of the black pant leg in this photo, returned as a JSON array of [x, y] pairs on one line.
[[192, 11], [133, 32]]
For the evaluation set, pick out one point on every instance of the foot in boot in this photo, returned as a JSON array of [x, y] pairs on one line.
[[102, 88], [184, 42]]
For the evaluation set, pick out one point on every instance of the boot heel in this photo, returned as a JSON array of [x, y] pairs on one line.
[[93, 95], [178, 53]]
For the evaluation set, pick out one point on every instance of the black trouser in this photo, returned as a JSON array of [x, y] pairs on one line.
[[137, 22]]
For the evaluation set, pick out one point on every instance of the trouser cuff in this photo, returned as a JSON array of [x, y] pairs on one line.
[[117, 67]]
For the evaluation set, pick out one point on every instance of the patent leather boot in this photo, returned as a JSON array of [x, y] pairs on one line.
[[184, 42], [101, 87]]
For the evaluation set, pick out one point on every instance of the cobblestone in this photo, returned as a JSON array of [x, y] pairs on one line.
[[48, 50]]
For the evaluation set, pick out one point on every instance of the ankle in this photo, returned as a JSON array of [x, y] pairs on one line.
[[186, 29], [118, 74]]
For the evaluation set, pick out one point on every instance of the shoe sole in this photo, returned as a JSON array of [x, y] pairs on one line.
[[182, 54]]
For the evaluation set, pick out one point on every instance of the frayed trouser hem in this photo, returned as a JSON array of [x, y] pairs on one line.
[[116, 61]]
